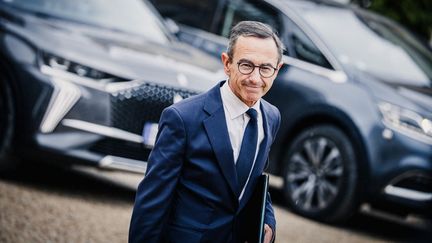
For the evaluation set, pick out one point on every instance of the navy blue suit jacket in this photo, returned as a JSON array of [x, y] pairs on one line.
[[190, 191]]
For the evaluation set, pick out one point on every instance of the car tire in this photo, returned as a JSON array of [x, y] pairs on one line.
[[7, 126], [321, 174]]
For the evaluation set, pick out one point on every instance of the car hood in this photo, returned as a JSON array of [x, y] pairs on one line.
[[409, 96], [420, 95], [125, 55]]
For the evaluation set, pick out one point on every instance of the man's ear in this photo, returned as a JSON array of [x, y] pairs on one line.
[[226, 63], [280, 65]]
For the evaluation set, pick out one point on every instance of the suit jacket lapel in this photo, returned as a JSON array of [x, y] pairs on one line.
[[217, 133]]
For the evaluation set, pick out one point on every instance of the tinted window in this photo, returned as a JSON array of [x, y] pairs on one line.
[[236, 11], [198, 14], [301, 46], [136, 16]]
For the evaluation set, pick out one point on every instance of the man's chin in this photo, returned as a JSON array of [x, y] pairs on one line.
[[251, 100]]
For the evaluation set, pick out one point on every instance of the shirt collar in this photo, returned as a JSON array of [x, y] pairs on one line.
[[236, 107]]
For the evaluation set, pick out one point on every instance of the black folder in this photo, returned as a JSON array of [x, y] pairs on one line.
[[251, 218]]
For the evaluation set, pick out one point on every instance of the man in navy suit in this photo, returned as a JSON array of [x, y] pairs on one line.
[[192, 191]]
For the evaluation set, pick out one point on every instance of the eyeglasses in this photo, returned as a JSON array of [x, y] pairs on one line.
[[266, 71]]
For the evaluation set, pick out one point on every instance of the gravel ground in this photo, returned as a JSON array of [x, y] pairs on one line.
[[45, 204], [63, 207]]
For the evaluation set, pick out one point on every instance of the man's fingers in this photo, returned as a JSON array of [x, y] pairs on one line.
[[268, 233]]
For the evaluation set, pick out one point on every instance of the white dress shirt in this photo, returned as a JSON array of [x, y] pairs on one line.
[[237, 120]]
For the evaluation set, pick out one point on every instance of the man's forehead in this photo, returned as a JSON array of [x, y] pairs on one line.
[[248, 39], [256, 49]]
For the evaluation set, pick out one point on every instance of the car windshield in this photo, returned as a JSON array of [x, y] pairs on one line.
[[130, 16], [373, 45]]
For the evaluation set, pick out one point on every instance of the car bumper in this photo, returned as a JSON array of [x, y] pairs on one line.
[[402, 172]]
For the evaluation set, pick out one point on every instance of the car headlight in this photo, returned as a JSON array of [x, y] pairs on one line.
[[406, 121], [62, 64]]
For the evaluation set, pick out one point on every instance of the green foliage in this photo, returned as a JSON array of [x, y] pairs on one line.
[[416, 15]]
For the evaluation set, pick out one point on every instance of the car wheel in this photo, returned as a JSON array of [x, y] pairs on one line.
[[320, 174], [7, 119]]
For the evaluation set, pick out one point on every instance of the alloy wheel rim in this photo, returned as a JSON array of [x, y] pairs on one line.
[[314, 174]]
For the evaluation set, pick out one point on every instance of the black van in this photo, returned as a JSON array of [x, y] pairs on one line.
[[82, 82]]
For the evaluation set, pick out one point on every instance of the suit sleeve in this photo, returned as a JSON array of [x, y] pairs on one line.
[[155, 193], [269, 215]]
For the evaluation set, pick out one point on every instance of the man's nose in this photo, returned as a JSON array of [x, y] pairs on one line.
[[255, 76]]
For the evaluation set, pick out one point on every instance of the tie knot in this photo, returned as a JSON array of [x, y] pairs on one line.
[[252, 113]]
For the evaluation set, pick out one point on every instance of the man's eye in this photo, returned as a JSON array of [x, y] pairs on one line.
[[265, 69], [246, 65]]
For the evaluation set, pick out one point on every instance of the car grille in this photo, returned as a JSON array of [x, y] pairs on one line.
[[121, 148], [132, 108], [416, 182]]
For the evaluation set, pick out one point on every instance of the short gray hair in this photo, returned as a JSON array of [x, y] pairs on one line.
[[253, 29]]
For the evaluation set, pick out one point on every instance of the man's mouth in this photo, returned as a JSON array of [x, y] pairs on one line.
[[252, 87]]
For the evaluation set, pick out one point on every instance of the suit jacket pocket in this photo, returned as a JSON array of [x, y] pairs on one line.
[[192, 216]]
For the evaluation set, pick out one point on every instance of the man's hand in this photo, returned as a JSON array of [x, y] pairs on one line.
[[268, 234]]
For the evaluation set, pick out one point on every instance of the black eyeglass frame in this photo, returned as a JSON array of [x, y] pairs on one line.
[[256, 66]]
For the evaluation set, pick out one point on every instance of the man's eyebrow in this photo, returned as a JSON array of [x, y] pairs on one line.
[[249, 61], [245, 60]]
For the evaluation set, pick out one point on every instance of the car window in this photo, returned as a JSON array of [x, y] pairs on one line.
[[136, 16], [236, 11], [198, 14], [302, 47]]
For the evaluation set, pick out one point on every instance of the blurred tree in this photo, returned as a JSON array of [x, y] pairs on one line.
[[416, 15]]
